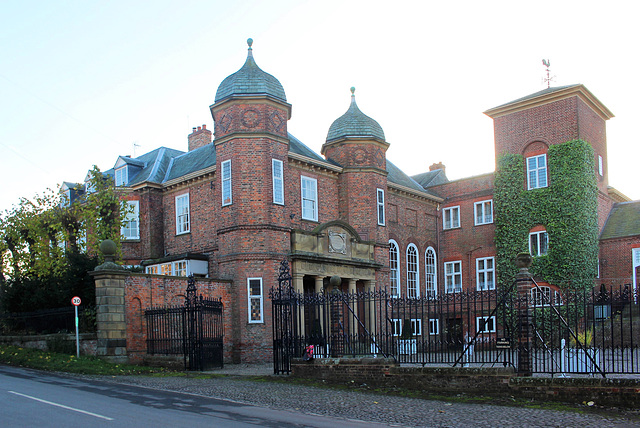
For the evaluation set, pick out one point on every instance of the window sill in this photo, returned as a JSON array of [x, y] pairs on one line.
[[132, 240], [183, 233]]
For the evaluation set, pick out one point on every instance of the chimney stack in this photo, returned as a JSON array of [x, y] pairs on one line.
[[436, 166], [199, 137]]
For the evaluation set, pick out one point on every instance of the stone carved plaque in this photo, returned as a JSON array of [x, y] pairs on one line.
[[338, 243]]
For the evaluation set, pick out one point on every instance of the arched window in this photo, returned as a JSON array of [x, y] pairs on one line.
[[413, 280], [430, 273], [394, 267]]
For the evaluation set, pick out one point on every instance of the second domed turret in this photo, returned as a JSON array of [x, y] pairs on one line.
[[354, 123]]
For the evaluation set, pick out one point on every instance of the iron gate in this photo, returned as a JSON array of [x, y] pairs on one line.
[[194, 330]]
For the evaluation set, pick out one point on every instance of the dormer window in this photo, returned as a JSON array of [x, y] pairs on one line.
[[122, 176]]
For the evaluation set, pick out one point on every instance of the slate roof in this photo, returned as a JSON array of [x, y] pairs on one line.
[[195, 160], [354, 123], [623, 221], [431, 178], [296, 146], [155, 165], [250, 80], [537, 94], [164, 164], [395, 175]]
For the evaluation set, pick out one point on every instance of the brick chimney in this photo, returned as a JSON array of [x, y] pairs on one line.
[[436, 166], [199, 137]]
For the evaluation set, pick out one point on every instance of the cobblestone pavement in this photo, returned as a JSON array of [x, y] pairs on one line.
[[394, 411]]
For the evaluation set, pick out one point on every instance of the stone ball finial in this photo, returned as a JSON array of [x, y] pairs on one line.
[[108, 248], [523, 260], [250, 42], [335, 281]]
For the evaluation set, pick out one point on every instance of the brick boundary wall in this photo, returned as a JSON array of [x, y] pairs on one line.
[[496, 382], [143, 291]]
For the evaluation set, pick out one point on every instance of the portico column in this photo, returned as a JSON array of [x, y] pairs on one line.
[[353, 303], [318, 289], [370, 287], [298, 286]]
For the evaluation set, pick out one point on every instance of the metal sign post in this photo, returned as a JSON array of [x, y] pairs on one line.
[[75, 301]]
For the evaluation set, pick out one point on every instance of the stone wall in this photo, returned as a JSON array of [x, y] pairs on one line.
[[42, 342]]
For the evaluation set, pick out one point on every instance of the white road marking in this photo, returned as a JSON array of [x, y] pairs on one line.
[[62, 406]]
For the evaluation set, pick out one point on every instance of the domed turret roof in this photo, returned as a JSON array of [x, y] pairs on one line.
[[354, 123], [250, 80]]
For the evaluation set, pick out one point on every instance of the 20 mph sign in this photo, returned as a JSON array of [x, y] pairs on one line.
[[76, 301]]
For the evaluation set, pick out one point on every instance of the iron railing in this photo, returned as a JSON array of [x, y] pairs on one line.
[[48, 321], [593, 332]]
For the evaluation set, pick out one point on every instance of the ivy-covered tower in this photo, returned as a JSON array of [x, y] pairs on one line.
[[251, 140], [551, 190]]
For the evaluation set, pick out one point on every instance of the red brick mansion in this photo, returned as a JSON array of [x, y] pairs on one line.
[[248, 195]]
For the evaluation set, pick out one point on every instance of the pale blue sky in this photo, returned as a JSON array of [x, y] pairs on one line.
[[82, 81]]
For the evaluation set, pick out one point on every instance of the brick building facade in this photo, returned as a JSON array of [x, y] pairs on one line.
[[233, 207]]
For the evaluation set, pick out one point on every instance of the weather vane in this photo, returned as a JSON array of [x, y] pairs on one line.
[[549, 78]]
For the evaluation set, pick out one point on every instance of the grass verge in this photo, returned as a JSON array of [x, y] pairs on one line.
[[63, 362]]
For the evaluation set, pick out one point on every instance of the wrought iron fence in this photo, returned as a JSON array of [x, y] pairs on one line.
[[194, 330], [595, 332], [48, 321]]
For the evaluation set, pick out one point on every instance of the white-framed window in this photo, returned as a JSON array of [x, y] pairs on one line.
[[227, 196], [434, 326], [131, 227], [277, 175], [600, 166], [543, 295], [431, 273], [394, 268], [396, 327], [166, 269], [483, 212], [122, 176], [537, 171], [413, 278], [183, 223], [309, 195], [153, 270], [485, 274], [451, 217], [486, 324], [538, 243], [416, 326], [180, 268], [453, 277], [380, 204], [254, 292]]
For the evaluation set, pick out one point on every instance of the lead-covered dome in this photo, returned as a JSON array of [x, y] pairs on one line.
[[250, 80], [354, 123]]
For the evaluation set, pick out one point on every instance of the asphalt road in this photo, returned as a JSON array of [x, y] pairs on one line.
[[30, 398]]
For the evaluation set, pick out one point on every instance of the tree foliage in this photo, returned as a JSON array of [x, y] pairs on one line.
[[49, 244], [567, 208]]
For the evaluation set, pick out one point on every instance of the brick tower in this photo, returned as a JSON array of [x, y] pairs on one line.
[[357, 143], [250, 115], [529, 125]]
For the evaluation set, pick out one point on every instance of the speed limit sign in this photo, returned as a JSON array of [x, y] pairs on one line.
[[76, 301]]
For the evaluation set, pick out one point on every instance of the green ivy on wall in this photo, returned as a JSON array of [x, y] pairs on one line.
[[567, 208]]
